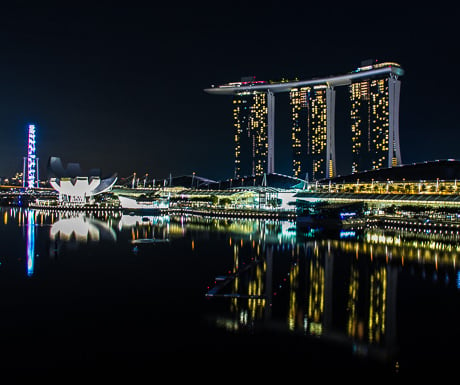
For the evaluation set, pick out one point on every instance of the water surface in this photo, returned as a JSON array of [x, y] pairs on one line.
[[103, 294]]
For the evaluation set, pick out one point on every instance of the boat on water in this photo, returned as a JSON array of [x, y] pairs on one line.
[[326, 215], [155, 206], [150, 240]]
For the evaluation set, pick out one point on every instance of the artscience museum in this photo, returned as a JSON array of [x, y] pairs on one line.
[[75, 186]]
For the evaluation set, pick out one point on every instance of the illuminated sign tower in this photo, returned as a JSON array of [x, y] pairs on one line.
[[30, 171]]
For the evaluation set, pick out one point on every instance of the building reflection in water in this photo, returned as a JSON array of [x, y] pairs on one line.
[[65, 227], [145, 227], [81, 229], [72, 228], [340, 287], [342, 290]]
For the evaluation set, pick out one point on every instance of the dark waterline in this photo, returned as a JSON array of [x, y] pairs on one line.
[[86, 301]]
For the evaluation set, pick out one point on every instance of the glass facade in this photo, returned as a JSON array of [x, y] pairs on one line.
[[369, 124], [310, 133], [300, 129], [374, 122], [250, 121]]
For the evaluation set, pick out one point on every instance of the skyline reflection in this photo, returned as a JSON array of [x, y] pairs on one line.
[[30, 242], [353, 289], [392, 244]]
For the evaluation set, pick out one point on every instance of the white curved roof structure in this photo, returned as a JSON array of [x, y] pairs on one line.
[[72, 186]]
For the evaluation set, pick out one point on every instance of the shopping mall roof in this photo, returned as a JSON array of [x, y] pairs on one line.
[[446, 199], [273, 180], [448, 169]]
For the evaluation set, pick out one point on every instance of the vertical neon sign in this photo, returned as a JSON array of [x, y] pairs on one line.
[[31, 159]]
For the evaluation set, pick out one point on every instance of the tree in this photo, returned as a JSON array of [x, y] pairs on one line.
[[225, 201]]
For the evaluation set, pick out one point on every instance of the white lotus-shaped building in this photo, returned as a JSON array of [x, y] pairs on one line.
[[72, 185]]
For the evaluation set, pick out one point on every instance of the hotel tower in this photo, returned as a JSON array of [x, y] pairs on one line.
[[313, 145], [374, 121], [253, 122]]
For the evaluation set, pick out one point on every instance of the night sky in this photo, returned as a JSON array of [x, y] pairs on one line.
[[119, 86]]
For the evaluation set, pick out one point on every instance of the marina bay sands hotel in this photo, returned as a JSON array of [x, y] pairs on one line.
[[374, 91]]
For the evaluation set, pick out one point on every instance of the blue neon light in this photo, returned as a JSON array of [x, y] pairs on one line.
[[30, 243], [347, 215], [347, 233], [31, 158]]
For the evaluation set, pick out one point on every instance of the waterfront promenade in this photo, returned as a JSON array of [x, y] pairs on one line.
[[438, 202]]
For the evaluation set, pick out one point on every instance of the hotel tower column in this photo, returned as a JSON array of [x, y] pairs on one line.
[[270, 132], [394, 151], [330, 133]]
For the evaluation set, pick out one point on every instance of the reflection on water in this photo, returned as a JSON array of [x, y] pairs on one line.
[[30, 243], [81, 229], [340, 288], [306, 293]]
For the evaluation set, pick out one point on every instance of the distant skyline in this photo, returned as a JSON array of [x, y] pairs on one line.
[[120, 87]]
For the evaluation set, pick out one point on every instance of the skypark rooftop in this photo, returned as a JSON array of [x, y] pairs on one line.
[[364, 72]]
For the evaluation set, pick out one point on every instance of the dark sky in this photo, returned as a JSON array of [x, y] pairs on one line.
[[119, 86]]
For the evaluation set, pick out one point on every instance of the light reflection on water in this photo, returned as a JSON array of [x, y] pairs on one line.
[[30, 243], [341, 288]]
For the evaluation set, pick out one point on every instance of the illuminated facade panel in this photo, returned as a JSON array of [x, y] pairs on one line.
[[300, 131], [313, 132], [374, 123], [253, 121]]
